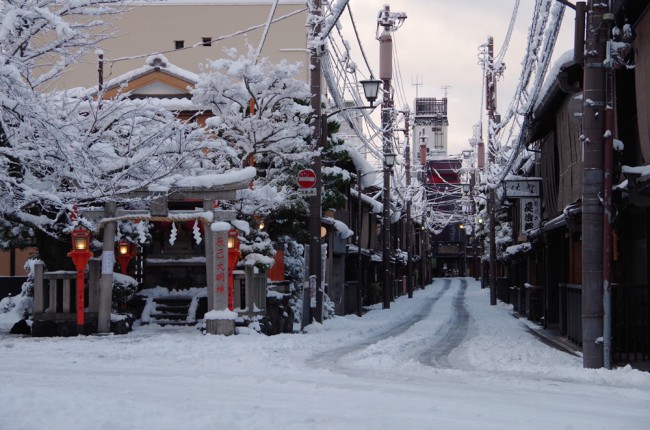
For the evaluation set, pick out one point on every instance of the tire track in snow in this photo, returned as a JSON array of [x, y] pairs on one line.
[[329, 359], [437, 355]]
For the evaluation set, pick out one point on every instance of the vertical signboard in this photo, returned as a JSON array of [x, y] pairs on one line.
[[220, 272], [531, 214]]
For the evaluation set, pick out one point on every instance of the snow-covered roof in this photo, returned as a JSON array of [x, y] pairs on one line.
[[341, 228], [551, 77], [377, 207], [212, 181], [516, 249], [369, 173], [156, 62]]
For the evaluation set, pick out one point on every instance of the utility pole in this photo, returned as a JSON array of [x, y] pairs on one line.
[[423, 232], [491, 104], [593, 129], [390, 22], [409, 222], [385, 74], [315, 269]]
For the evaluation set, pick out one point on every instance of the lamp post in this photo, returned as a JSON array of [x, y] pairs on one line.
[[390, 22], [233, 256], [124, 254], [371, 90], [467, 210], [80, 255], [389, 162]]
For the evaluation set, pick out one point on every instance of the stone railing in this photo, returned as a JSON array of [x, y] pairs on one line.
[[55, 294]]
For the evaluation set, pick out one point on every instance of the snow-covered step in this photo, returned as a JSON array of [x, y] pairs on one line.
[[172, 310]]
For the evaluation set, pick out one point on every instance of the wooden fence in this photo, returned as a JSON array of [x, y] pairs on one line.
[[630, 319]]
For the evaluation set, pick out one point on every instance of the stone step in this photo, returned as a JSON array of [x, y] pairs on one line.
[[171, 310], [169, 316]]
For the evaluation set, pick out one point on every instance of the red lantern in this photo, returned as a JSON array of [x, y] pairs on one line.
[[80, 255], [124, 254]]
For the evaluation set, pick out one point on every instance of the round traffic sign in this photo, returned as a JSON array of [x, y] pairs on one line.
[[306, 178]]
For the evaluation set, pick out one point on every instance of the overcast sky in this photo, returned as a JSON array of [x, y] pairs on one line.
[[438, 45]]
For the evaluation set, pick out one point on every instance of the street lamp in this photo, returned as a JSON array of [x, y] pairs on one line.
[[466, 187], [371, 89], [389, 160], [80, 255]]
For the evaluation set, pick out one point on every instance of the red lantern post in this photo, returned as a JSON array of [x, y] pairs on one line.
[[124, 254], [80, 255], [233, 256]]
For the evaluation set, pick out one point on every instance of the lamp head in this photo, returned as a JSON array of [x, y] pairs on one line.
[[232, 239], [371, 89], [123, 247], [80, 238], [389, 160]]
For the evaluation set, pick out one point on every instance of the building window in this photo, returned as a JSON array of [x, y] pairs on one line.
[[207, 41], [179, 44]]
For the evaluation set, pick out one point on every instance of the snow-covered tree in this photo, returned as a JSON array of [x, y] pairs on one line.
[[59, 150], [261, 110]]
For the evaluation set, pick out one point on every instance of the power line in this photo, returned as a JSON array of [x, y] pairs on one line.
[[202, 43]]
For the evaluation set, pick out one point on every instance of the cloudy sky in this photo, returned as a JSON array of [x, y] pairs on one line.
[[438, 46]]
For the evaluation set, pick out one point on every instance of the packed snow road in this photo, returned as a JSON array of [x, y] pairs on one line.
[[444, 359]]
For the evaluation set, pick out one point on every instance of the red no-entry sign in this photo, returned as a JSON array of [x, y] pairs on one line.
[[306, 178]]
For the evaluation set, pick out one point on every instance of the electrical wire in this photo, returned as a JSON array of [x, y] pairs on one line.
[[202, 43], [542, 62]]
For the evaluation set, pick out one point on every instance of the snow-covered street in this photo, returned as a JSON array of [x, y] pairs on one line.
[[443, 359]]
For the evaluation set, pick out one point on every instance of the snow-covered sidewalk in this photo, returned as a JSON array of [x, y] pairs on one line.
[[373, 372]]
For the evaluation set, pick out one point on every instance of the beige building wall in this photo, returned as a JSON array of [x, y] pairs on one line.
[[145, 29], [20, 257]]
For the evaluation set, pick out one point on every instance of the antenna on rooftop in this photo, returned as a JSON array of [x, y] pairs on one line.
[[445, 89], [416, 84]]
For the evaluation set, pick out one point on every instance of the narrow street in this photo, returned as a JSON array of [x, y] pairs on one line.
[[443, 359]]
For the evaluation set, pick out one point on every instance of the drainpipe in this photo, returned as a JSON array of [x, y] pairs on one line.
[[608, 157]]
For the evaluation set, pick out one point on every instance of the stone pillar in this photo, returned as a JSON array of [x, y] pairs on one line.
[[106, 280], [208, 206], [218, 283], [39, 299]]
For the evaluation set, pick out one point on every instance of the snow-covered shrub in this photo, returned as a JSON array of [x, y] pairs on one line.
[[16, 308], [257, 250], [124, 289]]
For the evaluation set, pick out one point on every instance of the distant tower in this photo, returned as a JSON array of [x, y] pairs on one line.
[[430, 126]]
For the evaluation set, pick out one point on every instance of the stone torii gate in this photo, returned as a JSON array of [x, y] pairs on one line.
[[216, 239]]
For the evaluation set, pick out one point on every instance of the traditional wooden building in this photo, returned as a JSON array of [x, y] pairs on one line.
[[542, 272]]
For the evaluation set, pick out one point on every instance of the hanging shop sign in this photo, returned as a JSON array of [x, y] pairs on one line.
[[531, 213], [522, 187]]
